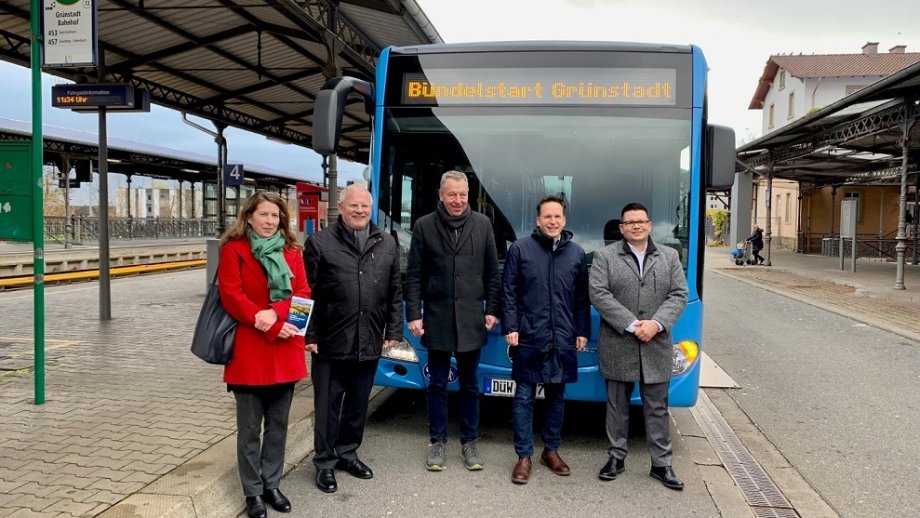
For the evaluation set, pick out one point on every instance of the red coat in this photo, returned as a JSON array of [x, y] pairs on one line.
[[259, 358]]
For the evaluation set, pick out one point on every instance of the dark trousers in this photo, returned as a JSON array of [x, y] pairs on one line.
[[341, 389], [657, 426], [260, 454], [757, 257], [522, 416], [439, 373]]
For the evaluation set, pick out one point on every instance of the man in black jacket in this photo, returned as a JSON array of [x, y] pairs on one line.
[[453, 269], [353, 269]]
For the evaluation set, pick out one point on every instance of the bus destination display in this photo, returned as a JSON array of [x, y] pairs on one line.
[[541, 86]]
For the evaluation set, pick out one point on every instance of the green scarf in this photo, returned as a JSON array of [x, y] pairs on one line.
[[268, 251]]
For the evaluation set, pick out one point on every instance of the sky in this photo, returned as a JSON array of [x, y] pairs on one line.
[[736, 36]]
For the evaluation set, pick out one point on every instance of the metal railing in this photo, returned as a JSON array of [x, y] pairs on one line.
[[86, 228], [868, 246]]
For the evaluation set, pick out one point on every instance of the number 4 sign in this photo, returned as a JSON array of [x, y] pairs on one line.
[[233, 175]]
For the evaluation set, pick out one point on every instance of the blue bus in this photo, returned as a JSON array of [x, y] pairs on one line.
[[601, 124]]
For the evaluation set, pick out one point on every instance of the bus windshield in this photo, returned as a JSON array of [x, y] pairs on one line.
[[597, 158]]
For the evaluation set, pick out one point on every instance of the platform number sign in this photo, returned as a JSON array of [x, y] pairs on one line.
[[233, 175]]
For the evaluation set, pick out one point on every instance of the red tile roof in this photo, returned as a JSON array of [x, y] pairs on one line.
[[830, 65]]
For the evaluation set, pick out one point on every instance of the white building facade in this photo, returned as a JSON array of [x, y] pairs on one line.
[[791, 87]]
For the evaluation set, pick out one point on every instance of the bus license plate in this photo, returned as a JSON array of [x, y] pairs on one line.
[[505, 388]]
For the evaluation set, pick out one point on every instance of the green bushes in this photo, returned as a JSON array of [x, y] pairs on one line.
[[719, 220]]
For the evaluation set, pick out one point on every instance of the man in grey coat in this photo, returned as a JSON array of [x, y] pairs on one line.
[[639, 291], [453, 269]]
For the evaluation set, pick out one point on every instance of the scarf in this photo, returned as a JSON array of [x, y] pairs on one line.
[[268, 251], [453, 223]]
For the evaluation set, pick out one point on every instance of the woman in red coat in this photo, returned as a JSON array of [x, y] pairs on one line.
[[261, 268]]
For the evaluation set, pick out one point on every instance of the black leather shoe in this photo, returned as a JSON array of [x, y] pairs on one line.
[[613, 468], [355, 468], [667, 477], [325, 481], [277, 500], [255, 507]]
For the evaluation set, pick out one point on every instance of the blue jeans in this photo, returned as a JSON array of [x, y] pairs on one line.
[[438, 371], [522, 416]]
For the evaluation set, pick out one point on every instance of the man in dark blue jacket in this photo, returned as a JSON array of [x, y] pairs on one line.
[[546, 321]]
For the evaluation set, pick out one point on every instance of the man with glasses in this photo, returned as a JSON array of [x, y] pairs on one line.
[[639, 291]]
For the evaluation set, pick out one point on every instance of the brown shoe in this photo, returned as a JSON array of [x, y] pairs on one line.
[[521, 472], [554, 462]]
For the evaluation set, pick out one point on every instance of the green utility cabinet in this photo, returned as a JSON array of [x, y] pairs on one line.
[[17, 192]]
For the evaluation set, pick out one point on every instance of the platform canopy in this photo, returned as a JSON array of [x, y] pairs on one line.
[[858, 140], [254, 64]]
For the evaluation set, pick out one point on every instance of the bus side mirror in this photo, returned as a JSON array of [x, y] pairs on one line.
[[720, 158], [327, 121], [329, 107]]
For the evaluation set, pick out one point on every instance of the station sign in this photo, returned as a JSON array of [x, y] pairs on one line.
[[233, 175], [69, 34]]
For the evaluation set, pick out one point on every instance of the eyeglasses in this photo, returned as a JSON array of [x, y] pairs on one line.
[[635, 223]]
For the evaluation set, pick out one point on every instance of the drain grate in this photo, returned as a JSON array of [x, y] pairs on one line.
[[773, 512], [761, 493]]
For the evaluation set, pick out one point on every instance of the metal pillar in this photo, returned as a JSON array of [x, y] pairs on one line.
[[901, 247], [105, 300], [38, 206], [130, 214], [916, 216], [332, 182], [221, 189], [221, 161], [768, 230], [65, 172]]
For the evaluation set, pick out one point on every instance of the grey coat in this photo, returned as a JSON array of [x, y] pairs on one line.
[[458, 285], [621, 298]]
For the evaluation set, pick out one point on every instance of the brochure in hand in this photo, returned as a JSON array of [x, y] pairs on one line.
[[299, 314]]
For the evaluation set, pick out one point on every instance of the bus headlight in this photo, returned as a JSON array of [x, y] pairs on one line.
[[401, 351], [685, 354]]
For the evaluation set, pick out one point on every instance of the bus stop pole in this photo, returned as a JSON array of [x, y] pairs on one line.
[[38, 209]]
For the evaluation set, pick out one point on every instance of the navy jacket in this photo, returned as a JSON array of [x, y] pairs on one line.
[[545, 300]]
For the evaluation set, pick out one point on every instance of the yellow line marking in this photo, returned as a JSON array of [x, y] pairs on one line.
[[94, 274]]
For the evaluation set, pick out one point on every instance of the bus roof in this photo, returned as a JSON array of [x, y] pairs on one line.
[[524, 46]]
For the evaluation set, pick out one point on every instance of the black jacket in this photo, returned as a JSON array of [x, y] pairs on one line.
[[357, 293], [545, 300], [458, 285], [756, 239]]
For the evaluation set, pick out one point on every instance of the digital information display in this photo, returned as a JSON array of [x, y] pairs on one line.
[[544, 86], [92, 95]]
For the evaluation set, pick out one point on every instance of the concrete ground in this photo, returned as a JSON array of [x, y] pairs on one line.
[[133, 425]]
